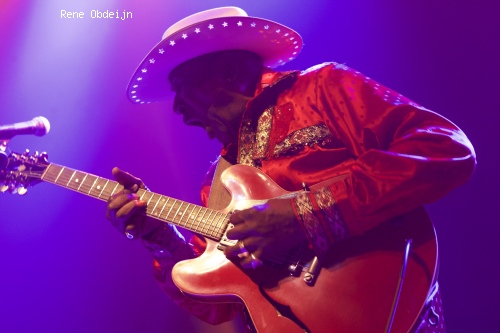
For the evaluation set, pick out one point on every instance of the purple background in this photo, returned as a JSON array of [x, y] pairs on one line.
[[65, 269]]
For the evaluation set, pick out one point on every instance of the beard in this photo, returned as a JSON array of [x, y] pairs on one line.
[[226, 113]]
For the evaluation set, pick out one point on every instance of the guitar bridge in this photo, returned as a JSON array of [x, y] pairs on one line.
[[312, 273]]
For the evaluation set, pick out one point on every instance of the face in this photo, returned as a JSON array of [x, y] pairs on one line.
[[206, 98]]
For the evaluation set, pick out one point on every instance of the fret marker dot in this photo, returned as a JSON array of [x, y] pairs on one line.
[[76, 180], [98, 187]]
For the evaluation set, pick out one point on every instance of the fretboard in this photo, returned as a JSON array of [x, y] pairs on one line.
[[208, 222]]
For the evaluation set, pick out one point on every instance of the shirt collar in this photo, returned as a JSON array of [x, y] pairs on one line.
[[271, 85]]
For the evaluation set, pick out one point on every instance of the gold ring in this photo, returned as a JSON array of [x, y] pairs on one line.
[[256, 262]]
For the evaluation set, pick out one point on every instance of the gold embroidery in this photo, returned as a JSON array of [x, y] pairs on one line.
[[263, 134], [309, 136]]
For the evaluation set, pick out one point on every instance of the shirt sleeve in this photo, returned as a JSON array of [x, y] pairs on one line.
[[404, 156]]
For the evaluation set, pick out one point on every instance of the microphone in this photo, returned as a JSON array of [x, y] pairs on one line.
[[38, 126]]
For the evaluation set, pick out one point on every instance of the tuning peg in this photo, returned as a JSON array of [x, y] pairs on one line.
[[44, 157], [11, 188], [21, 190]]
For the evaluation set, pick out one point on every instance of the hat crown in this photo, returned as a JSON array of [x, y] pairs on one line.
[[204, 16], [219, 29]]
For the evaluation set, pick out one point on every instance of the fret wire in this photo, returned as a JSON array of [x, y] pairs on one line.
[[207, 219], [193, 219], [59, 174], [212, 223], [196, 216], [53, 173], [46, 171], [217, 225], [163, 207], [83, 180], [101, 182], [100, 193], [93, 184], [205, 210], [64, 176], [148, 207], [224, 226], [175, 215], [200, 219], [84, 187], [150, 199], [114, 189], [173, 204], [209, 225], [156, 204], [72, 175], [184, 213]]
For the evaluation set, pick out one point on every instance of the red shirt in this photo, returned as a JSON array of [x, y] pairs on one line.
[[393, 154]]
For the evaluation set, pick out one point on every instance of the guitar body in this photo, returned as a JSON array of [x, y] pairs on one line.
[[356, 286], [353, 292]]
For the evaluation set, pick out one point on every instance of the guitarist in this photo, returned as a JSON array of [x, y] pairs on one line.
[[390, 155]]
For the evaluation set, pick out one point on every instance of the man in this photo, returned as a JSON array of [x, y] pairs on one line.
[[372, 155]]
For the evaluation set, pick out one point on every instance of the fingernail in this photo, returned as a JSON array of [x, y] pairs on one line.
[[135, 187], [139, 202], [133, 196]]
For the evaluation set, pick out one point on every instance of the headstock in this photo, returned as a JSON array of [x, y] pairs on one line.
[[20, 171]]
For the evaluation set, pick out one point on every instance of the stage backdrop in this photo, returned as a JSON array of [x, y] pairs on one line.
[[65, 269]]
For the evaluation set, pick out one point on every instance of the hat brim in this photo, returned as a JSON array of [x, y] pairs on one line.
[[274, 43]]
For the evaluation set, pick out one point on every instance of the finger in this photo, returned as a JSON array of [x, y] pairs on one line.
[[131, 232], [124, 218], [237, 217], [127, 180], [239, 231], [119, 199], [252, 261], [235, 252], [116, 203]]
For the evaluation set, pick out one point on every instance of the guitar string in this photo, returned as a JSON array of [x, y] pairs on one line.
[[211, 229]]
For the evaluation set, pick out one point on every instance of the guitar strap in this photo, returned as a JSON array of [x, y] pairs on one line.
[[219, 198]]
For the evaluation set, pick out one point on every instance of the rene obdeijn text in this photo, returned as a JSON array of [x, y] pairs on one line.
[[97, 14]]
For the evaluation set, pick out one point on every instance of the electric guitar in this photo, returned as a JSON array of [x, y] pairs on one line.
[[377, 282]]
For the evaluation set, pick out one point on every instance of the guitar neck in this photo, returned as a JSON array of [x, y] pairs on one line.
[[205, 221]]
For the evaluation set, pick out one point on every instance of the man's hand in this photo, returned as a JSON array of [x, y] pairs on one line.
[[267, 230], [123, 210]]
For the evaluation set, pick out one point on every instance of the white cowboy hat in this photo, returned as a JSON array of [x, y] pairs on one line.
[[218, 29]]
